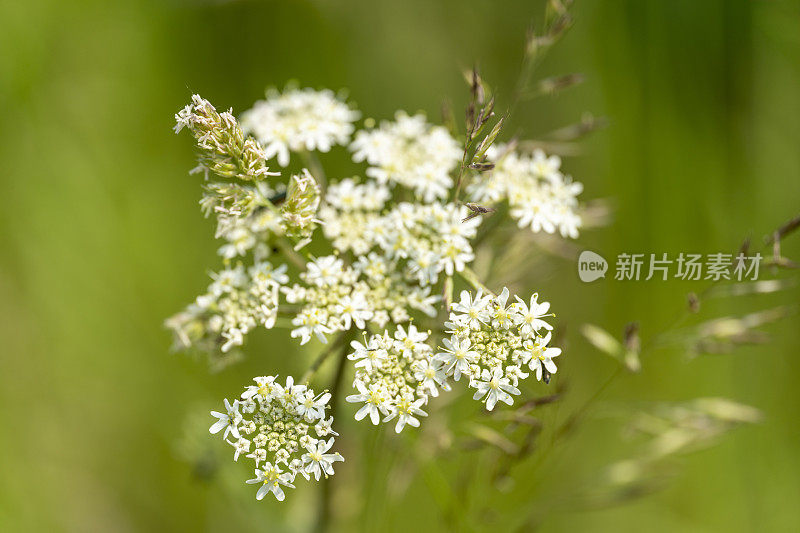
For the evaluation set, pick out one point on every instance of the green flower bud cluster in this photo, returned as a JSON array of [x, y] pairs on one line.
[[225, 150], [300, 208]]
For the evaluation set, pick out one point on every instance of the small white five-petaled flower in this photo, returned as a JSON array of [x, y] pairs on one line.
[[493, 387], [228, 420], [317, 461], [271, 478]]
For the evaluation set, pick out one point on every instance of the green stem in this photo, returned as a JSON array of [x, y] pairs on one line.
[[283, 322], [322, 357], [472, 278], [324, 510], [315, 167], [447, 293], [490, 224], [463, 166], [291, 254]]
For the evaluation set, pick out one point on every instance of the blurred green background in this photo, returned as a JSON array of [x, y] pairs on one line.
[[101, 239]]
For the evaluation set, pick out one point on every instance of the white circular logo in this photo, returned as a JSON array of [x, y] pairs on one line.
[[591, 266]]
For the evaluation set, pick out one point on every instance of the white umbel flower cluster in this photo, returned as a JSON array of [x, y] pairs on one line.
[[337, 297], [299, 120], [421, 240], [386, 249], [395, 377], [491, 341], [389, 255], [283, 429], [410, 152], [237, 301], [540, 196], [400, 253]]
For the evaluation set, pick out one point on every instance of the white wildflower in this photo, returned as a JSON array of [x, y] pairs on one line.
[[432, 375], [540, 196], [317, 461], [457, 357], [297, 120], [529, 317], [285, 428], [240, 446], [271, 478], [237, 301], [395, 376], [492, 387], [409, 152], [229, 420], [406, 409], [375, 401], [369, 356], [541, 356], [490, 341], [474, 312]]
